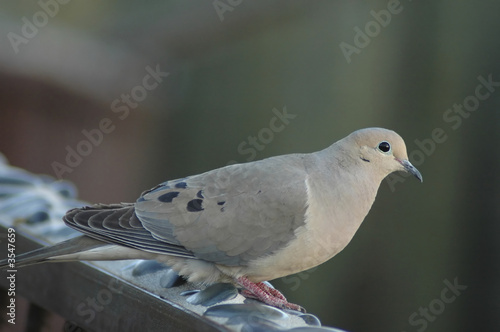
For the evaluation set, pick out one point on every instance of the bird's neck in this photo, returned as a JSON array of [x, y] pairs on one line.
[[339, 198]]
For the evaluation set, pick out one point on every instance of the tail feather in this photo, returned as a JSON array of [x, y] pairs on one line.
[[75, 245]]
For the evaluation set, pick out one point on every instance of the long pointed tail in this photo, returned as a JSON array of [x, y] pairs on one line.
[[72, 246]]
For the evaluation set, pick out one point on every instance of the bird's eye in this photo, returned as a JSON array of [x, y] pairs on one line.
[[384, 146]]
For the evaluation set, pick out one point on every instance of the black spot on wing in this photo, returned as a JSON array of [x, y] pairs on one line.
[[200, 194], [168, 197], [182, 185], [221, 203], [194, 205]]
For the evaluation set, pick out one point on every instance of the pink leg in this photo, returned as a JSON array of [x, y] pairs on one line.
[[270, 290], [266, 294]]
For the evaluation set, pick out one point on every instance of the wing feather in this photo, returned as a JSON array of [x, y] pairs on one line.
[[229, 216], [118, 224]]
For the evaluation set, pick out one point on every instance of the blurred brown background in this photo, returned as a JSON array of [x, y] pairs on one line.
[[64, 67]]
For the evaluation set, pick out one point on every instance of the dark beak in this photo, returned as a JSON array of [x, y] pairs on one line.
[[411, 169]]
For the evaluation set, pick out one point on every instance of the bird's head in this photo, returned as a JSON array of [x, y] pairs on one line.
[[383, 149]]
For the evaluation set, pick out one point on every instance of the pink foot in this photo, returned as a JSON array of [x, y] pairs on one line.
[[266, 294]]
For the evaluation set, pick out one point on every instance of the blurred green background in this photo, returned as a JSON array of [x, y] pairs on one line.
[[337, 66]]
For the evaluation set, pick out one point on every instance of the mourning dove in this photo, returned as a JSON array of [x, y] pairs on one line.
[[243, 223]]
